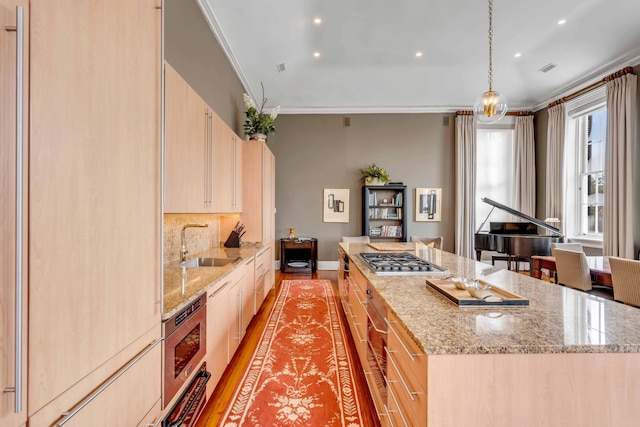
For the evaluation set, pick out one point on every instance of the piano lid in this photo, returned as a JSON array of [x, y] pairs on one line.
[[536, 221]]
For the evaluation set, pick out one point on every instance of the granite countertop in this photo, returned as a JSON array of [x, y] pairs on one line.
[[183, 285], [557, 320]]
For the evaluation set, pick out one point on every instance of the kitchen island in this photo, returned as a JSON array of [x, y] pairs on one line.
[[567, 359]]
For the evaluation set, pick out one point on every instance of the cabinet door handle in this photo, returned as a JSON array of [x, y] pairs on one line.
[[17, 388], [399, 410], [73, 411], [411, 355], [402, 380]]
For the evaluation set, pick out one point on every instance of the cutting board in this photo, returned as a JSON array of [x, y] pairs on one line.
[[396, 246], [462, 298]]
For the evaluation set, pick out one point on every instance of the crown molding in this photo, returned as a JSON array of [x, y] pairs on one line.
[[631, 59], [210, 17]]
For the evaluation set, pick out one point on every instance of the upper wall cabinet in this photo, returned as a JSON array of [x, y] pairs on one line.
[[204, 157], [227, 168], [188, 147]]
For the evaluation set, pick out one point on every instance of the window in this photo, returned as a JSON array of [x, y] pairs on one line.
[[584, 166], [494, 173]]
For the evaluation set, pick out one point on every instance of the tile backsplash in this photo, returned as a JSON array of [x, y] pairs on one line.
[[197, 239]]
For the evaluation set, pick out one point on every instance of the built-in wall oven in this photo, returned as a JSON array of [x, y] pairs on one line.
[[377, 344], [184, 346]]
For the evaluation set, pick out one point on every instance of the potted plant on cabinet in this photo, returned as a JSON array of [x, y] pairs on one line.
[[258, 124], [374, 175]]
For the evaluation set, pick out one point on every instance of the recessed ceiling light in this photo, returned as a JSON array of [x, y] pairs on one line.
[[418, 54], [562, 21], [518, 55], [317, 21], [316, 54]]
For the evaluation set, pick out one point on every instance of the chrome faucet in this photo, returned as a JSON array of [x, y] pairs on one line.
[[183, 250]]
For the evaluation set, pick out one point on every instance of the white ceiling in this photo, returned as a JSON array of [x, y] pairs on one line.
[[367, 50]]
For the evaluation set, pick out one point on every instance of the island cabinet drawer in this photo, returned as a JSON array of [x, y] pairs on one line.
[[409, 359], [407, 394], [358, 321], [357, 278]]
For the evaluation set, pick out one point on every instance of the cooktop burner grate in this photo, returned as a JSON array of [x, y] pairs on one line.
[[399, 263]]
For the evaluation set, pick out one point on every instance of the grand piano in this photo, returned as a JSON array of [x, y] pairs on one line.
[[517, 240]]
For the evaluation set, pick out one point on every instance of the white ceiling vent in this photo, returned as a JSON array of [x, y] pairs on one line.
[[548, 67], [281, 67]]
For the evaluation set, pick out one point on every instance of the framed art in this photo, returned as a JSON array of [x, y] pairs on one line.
[[428, 204], [335, 205]]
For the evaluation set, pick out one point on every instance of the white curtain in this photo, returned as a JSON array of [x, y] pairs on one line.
[[555, 162], [465, 186], [618, 208], [525, 166]]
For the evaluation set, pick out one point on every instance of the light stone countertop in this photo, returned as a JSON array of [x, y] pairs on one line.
[[557, 320], [183, 285]]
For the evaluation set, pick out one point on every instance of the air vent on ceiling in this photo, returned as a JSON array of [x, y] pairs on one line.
[[281, 67], [548, 67]]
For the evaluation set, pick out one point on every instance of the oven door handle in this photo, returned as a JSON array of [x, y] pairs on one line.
[[194, 399]]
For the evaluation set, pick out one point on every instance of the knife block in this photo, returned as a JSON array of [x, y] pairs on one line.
[[233, 241]]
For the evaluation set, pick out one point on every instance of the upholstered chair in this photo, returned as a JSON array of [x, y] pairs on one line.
[[625, 275], [356, 239], [573, 269], [577, 247], [434, 242]]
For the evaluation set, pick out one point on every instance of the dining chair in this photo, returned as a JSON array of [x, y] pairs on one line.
[[355, 239], [625, 276], [573, 269], [434, 242], [577, 247]]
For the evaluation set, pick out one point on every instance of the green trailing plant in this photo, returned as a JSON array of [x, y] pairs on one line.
[[374, 172]]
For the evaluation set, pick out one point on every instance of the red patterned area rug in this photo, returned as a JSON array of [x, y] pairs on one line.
[[301, 373]]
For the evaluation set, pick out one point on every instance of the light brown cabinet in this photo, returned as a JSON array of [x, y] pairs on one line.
[[218, 332], [227, 168], [189, 147], [13, 289], [91, 141], [258, 192]]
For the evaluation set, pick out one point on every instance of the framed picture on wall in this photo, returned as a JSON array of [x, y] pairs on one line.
[[428, 204], [335, 205]]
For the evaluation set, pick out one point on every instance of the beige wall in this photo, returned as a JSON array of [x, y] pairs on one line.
[[314, 152], [192, 49]]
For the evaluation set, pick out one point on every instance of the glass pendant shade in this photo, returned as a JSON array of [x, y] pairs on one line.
[[490, 107]]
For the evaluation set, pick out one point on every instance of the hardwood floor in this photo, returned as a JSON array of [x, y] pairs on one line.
[[232, 376]]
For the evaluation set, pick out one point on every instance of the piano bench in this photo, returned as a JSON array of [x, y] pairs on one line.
[[517, 261]]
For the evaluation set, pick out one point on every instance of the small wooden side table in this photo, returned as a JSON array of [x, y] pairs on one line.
[[298, 256]]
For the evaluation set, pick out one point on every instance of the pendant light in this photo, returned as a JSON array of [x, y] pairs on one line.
[[491, 106]]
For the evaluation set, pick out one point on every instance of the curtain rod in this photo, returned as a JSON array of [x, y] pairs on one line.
[[620, 73], [509, 113]]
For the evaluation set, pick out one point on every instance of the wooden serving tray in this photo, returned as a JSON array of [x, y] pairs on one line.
[[462, 298], [398, 246]]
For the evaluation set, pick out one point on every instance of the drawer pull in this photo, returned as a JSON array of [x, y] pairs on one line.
[[411, 355], [399, 411], [219, 289], [71, 413], [404, 383], [375, 404]]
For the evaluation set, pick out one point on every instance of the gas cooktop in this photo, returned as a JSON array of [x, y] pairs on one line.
[[401, 263]]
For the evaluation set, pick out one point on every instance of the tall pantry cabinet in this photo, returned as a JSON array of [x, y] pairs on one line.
[[14, 87], [258, 192], [91, 219]]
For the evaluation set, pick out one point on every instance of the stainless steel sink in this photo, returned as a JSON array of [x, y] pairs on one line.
[[207, 262]]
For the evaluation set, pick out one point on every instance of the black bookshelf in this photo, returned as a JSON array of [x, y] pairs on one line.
[[384, 213]]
